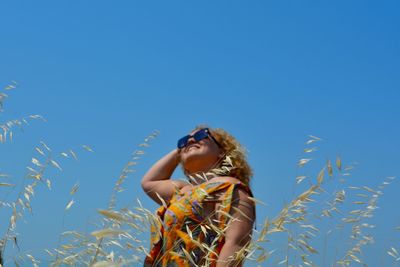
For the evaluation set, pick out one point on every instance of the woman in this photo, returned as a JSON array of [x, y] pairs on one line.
[[207, 220]]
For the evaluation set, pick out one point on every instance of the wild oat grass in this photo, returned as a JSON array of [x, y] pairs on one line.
[[118, 238]]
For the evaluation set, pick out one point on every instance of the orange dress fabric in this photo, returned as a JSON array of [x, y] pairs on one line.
[[181, 225]]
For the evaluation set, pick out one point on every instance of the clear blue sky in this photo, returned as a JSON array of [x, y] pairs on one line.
[[107, 74]]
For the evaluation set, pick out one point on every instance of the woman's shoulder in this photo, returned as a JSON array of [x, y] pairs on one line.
[[179, 184], [232, 180], [228, 180]]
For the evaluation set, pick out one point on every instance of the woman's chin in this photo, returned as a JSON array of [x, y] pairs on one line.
[[192, 155]]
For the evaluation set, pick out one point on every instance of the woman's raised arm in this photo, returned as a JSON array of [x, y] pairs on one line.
[[156, 182]]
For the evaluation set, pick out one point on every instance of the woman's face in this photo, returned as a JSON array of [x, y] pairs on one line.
[[200, 156]]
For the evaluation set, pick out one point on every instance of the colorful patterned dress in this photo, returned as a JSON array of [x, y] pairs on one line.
[[181, 228]]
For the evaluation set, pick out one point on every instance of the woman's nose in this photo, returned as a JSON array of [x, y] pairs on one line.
[[191, 140]]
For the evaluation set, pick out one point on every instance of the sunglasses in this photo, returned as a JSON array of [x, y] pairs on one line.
[[197, 136]]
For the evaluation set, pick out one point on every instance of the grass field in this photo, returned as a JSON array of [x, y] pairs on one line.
[[327, 208]]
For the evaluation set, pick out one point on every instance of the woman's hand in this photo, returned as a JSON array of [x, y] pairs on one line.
[[156, 182]]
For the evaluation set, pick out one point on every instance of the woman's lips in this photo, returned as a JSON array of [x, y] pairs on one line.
[[191, 146]]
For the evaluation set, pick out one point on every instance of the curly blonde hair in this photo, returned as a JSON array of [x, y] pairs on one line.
[[235, 151]]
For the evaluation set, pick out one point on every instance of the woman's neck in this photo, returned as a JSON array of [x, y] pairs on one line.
[[201, 177]]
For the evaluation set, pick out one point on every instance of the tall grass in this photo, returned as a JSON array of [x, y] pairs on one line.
[[326, 208]]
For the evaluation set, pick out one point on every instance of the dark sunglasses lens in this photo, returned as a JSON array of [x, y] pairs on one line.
[[200, 135], [183, 141]]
